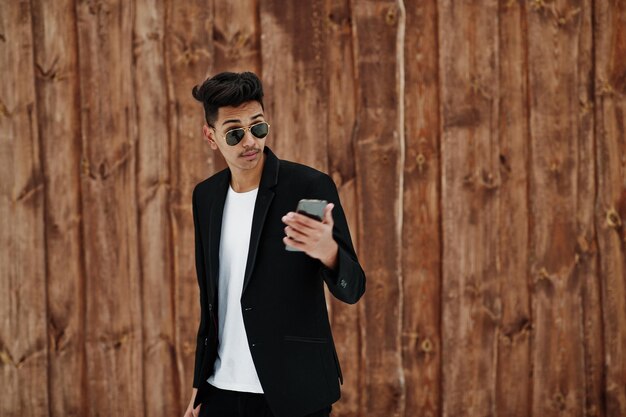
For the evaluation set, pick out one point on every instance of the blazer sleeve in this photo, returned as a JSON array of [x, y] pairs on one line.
[[347, 281], [201, 274]]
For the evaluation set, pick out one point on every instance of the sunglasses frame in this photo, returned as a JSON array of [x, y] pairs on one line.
[[245, 129]]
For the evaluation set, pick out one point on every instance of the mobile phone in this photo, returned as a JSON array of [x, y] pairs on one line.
[[310, 208]]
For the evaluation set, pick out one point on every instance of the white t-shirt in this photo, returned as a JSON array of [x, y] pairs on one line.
[[234, 368]]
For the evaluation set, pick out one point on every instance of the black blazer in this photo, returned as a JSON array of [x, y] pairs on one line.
[[283, 304]]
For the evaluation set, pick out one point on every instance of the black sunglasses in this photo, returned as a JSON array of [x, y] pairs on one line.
[[258, 130]]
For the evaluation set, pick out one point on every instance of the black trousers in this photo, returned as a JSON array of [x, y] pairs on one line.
[[224, 403]]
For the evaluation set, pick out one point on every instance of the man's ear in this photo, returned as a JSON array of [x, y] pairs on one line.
[[209, 136]]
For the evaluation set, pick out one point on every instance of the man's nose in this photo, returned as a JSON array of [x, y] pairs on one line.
[[248, 138]]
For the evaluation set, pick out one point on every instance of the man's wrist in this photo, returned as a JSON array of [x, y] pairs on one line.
[[332, 259]]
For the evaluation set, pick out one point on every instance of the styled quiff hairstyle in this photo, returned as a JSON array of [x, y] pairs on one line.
[[227, 89]]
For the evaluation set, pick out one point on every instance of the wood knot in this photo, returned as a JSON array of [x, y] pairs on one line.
[[85, 166], [427, 346], [505, 163], [585, 106], [391, 17], [555, 167], [122, 340], [420, 159], [537, 5], [544, 282], [605, 88], [519, 327], [566, 16], [4, 110], [559, 401], [612, 219], [488, 180], [5, 357], [240, 40]]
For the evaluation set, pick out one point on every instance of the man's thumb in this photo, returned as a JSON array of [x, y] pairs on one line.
[[328, 213]]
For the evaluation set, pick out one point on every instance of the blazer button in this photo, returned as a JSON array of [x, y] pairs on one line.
[[206, 341]]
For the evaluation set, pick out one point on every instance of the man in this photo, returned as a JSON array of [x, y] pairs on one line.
[[264, 345]]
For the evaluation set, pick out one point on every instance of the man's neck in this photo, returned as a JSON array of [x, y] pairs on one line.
[[246, 180]]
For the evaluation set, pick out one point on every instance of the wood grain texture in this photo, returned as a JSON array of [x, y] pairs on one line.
[[559, 207], [472, 304], [56, 65], [188, 57], [236, 45], [23, 312], [114, 319], [293, 45], [586, 241], [610, 202], [341, 104], [513, 377], [162, 394], [421, 234], [478, 149], [379, 158]]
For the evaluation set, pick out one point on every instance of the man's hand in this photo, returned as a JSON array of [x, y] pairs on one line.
[[313, 237], [191, 412]]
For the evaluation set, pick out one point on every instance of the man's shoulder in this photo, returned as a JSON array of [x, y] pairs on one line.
[[299, 172], [209, 185]]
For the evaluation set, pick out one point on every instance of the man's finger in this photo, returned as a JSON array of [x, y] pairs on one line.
[[295, 234], [300, 221], [293, 243], [328, 213]]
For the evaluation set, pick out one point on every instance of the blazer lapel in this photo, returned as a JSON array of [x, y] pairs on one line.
[[264, 198], [215, 230]]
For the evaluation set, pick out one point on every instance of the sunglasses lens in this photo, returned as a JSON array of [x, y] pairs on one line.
[[260, 130], [234, 136]]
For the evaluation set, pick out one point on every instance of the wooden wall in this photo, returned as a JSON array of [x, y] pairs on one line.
[[480, 152]]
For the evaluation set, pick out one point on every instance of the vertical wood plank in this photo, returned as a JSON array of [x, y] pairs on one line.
[[293, 42], [558, 59], [379, 156], [58, 109], [23, 335], [513, 348], [188, 58], [162, 394], [341, 166], [236, 37], [610, 130], [587, 270], [472, 305], [113, 305], [236, 44], [421, 235]]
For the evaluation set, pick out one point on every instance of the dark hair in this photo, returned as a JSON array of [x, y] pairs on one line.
[[227, 89]]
